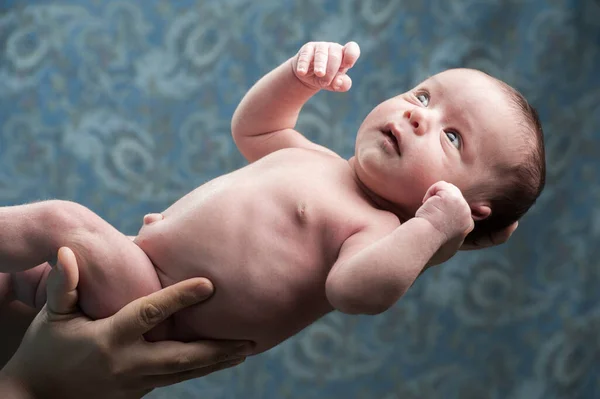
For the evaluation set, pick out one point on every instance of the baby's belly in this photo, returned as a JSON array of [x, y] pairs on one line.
[[268, 268]]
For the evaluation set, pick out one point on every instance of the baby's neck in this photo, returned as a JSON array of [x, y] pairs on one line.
[[376, 200]]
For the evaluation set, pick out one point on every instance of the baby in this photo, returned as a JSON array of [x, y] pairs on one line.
[[301, 231]]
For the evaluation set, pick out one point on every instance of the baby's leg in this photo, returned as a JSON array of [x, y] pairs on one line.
[[29, 286], [113, 270]]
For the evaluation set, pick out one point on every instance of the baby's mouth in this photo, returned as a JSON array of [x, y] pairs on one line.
[[393, 138]]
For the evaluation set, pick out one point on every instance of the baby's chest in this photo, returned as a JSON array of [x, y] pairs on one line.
[[329, 212]]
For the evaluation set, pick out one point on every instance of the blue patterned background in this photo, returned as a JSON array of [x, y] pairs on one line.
[[124, 106]]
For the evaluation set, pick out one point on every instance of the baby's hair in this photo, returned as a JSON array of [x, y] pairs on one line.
[[517, 187]]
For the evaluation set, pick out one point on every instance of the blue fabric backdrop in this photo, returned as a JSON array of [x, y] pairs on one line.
[[124, 106]]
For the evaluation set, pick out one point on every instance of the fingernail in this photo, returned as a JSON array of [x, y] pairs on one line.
[[301, 69], [337, 83], [245, 349], [236, 361], [58, 266], [204, 290]]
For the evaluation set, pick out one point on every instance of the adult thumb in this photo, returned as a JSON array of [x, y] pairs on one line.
[[61, 287]]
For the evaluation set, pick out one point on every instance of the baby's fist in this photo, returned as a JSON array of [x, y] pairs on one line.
[[323, 65], [447, 210]]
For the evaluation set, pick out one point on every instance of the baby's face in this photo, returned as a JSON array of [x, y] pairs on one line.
[[455, 126]]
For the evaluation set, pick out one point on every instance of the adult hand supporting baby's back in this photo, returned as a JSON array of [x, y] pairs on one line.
[[495, 238], [65, 354]]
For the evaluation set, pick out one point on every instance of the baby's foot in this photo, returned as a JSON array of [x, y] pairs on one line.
[[153, 217]]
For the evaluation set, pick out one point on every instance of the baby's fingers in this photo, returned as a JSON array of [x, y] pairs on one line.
[[321, 57], [341, 82], [305, 57], [433, 190], [334, 60], [351, 52]]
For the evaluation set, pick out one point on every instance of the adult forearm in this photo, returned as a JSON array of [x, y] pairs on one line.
[[376, 277], [272, 104], [11, 388], [31, 234], [15, 318]]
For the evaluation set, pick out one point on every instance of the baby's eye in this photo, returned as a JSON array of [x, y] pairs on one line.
[[423, 98], [454, 138]]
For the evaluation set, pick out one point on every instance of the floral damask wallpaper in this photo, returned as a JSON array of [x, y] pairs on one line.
[[124, 106]]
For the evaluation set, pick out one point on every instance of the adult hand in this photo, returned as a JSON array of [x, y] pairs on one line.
[[497, 238], [65, 354]]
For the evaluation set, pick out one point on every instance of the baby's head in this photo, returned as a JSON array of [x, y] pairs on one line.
[[461, 126]]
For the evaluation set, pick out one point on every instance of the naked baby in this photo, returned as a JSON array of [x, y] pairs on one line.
[[301, 231]]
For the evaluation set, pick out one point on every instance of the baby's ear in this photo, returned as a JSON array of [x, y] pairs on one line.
[[480, 211]]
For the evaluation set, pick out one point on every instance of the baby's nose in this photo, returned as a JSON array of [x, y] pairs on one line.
[[416, 120]]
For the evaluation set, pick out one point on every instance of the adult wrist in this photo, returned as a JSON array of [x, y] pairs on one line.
[[12, 387]]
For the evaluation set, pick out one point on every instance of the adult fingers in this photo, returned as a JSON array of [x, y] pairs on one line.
[[168, 357], [61, 286], [493, 239], [141, 315], [157, 381]]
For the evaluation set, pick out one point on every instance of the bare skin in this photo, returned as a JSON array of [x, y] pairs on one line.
[[301, 231], [108, 358], [296, 238]]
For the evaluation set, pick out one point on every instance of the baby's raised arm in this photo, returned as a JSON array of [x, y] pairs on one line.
[[372, 273], [265, 119]]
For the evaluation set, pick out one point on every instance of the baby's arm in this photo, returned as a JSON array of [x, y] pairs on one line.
[[371, 274], [265, 119]]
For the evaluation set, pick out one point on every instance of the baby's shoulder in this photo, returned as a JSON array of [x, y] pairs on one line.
[[379, 223]]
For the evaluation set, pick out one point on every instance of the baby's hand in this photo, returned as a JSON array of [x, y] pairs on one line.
[[323, 65], [447, 210]]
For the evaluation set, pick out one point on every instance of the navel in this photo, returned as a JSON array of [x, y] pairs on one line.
[[301, 211]]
